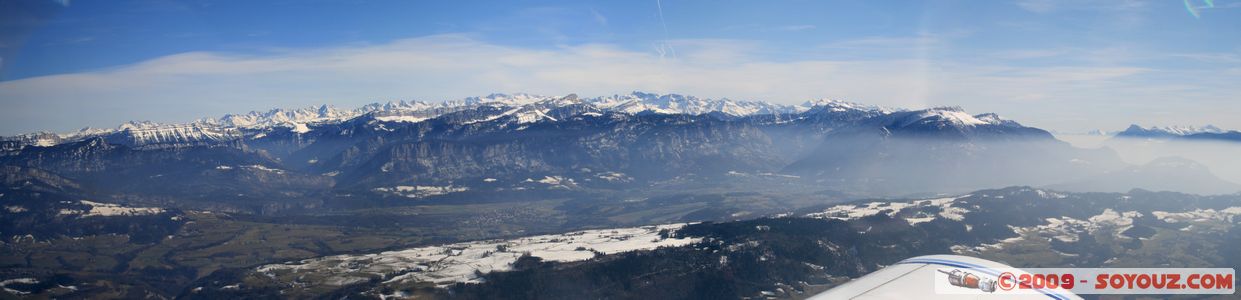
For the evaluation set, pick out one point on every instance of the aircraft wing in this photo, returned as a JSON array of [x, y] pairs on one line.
[[915, 278]]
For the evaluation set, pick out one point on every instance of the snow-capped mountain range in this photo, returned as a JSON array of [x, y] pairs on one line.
[[1180, 133], [1157, 131], [570, 142], [524, 108], [633, 103]]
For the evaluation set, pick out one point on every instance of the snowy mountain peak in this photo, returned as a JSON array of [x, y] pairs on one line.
[[989, 117], [1204, 133], [137, 125], [1175, 130], [995, 119], [567, 100], [282, 117], [954, 115], [836, 105], [637, 102], [949, 116], [517, 99]]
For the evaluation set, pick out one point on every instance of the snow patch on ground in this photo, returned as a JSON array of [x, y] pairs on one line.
[[997, 245], [768, 174], [463, 262], [108, 209], [614, 177], [5, 284], [300, 128], [1066, 229], [953, 213], [555, 182], [421, 191], [1111, 217], [263, 168], [854, 211], [915, 221], [1199, 215], [533, 116], [493, 118], [1050, 195], [552, 180], [405, 119]]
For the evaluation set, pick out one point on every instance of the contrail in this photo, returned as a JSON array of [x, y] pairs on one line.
[[660, 8]]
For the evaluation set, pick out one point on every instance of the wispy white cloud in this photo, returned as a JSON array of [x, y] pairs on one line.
[[1223, 58], [1029, 53], [71, 41], [755, 27], [886, 42], [1121, 13], [599, 18], [801, 27], [191, 85], [1046, 6], [1038, 6]]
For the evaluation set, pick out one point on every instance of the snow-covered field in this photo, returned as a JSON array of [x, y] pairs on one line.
[[614, 177], [108, 209], [1199, 215], [421, 191], [1064, 229], [854, 211], [463, 262], [407, 119], [250, 167], [5, 285]]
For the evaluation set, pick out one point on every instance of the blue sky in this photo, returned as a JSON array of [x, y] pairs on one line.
[[1056, 64]]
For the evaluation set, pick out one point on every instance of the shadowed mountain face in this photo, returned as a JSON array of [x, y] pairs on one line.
[[502, 144]]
